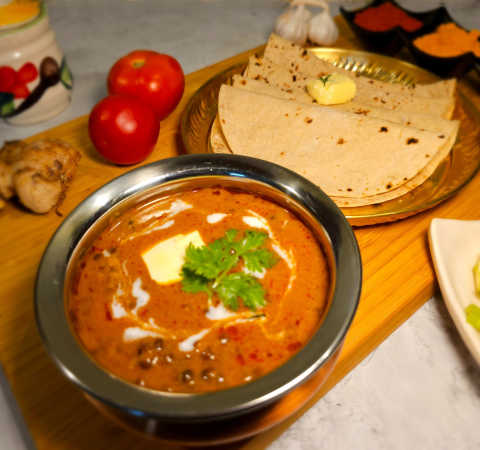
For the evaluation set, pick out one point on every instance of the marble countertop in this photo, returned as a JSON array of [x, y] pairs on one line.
[[421, 387]]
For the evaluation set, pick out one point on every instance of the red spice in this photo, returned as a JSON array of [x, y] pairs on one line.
[[233, 333], [294, 346], [385, 17], [240, 359], [254, 356]]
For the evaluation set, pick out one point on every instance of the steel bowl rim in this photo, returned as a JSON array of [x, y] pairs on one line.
[[74, 363]]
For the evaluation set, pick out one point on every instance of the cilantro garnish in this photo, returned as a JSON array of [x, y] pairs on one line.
[[208, 269], [325, 79]]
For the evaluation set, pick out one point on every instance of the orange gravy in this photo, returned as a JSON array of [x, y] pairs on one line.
[[160, 337]]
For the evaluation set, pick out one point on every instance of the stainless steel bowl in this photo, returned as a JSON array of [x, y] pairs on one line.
[[149, 410]]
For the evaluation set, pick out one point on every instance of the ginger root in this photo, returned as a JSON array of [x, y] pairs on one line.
[[38, 173]]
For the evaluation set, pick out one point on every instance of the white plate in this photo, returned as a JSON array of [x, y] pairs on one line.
[[455, 247]]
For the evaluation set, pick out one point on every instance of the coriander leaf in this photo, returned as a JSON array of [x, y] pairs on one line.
[[257, 260], [325, 79], [197, 261], [207, 268], [250, 241], [193, 283], [208, 261], [230, 235], [254, 297], [223, 253], [239, 284], [228, 294]]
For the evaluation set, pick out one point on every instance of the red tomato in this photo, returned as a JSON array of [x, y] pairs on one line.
[[123, 129], [154, 78], [27, 73], [8, 76]]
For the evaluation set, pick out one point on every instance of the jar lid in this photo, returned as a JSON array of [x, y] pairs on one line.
[[17, 13]]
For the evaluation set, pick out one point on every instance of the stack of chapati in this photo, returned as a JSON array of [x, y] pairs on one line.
[[388, 140]]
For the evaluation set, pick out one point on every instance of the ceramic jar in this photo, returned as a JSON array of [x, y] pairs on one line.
[[35, 81]]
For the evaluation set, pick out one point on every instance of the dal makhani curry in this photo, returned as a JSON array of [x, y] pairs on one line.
[[199, 291]]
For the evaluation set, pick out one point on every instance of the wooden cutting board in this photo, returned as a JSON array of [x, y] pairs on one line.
[[398, 279]]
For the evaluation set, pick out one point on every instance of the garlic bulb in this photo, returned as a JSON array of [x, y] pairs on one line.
[[293, 24], [322, 29]]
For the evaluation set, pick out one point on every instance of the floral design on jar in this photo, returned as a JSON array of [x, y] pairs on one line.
[[22, 88]]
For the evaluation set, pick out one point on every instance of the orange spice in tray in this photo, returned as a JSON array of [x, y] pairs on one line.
[[449, 40]]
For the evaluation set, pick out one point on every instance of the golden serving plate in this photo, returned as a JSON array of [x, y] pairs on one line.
[[451, 175]]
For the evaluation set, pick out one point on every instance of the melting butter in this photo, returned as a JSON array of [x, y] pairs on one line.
[[165, 259], [332, 89]]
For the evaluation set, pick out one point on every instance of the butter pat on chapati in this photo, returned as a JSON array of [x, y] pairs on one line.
[[333, 89]]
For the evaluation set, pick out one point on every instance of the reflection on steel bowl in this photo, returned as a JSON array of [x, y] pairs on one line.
[[199, 289]]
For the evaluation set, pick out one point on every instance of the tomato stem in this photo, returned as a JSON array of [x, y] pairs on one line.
[[138, 63]]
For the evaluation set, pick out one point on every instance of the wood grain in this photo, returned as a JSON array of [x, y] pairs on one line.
[[398, 279]]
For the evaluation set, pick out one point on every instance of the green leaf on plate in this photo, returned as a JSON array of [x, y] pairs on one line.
[[473, 316]]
